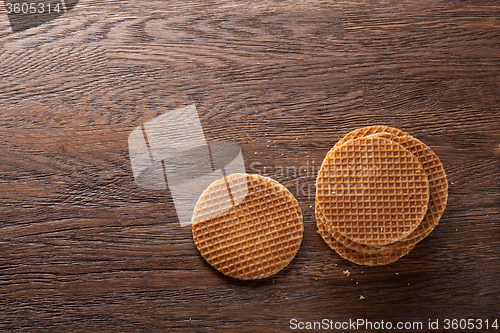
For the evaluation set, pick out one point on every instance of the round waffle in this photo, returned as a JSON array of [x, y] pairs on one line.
[[369, 259], [349, 243], [370, 249], [247, 226], [372, 190], [438, 184]]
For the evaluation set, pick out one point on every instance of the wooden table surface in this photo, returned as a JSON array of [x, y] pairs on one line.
[[84, 249]]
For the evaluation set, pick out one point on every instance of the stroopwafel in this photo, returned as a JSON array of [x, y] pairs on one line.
[[247, 226], [425, 227], [360, 258], [372, 190], [438, 184], [376, 254]]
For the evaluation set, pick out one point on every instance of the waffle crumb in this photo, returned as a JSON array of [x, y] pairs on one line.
[[361, 297], [346, 272]]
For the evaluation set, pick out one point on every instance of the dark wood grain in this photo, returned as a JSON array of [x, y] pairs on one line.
[[83, 248]]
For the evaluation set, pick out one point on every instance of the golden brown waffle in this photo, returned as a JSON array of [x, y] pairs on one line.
[[373, 259], [254, 238], [438, 184], [370, 249], [349, 243], [372, 191]]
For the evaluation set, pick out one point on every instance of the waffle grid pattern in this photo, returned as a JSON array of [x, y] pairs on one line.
[[360, 258], [254, 239], [212, 203], [437, 197], [438, 194], [438, 184], [372, 190]]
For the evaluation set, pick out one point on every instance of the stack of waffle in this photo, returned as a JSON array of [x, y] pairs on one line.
[[379, 192]]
